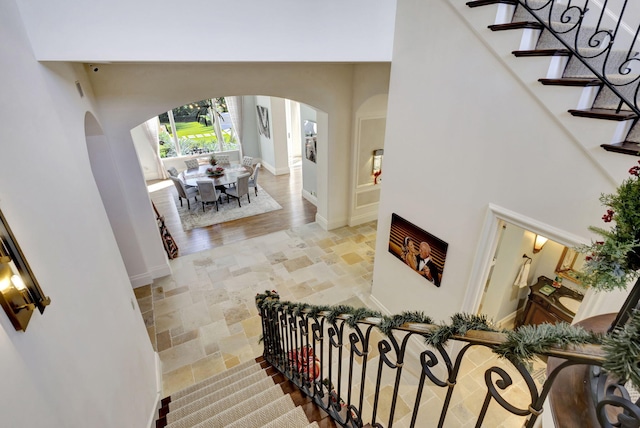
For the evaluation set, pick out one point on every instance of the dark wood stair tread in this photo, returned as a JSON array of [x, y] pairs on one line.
[[572, 81], [605, 113], [626, 147], [516, 26], [542, 52], [478, 3]]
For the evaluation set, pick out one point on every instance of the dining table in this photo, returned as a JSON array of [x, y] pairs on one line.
[[191, 176]]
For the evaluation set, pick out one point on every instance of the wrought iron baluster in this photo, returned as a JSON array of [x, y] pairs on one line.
[[599, 38]]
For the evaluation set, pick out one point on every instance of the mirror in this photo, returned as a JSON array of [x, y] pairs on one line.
[[570, 264]]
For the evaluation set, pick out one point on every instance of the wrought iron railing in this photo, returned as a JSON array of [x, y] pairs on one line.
[[360, 376], [592, 31]]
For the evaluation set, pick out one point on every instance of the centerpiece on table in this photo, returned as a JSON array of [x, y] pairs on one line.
[[215, 172]]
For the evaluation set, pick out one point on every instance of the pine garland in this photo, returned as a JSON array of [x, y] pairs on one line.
[[624, 344], [460, 325], [389, 323], [360, 314], [622, 348], [523, 344]]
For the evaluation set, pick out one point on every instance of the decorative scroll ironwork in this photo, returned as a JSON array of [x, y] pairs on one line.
[[603, 35], [358, 371]]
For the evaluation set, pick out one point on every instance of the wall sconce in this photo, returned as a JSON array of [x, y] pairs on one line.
[[538, 243], [377, 164], [20, 293]]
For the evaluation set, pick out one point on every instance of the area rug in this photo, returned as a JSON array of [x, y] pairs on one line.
[[194, 217]]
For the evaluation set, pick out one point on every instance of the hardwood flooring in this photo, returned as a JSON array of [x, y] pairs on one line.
[[285, 189]]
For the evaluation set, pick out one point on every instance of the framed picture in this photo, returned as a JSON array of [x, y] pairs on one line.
[[419, 250], [310, 148], [263, 121]]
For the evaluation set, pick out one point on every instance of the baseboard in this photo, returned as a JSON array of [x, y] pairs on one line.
[[363, 218], [141, 280], [283, 171], [147, 278], [160, 271], [322, 222], [156, 408], [276, 171], [309, 197], [331, 225], [508, 320]]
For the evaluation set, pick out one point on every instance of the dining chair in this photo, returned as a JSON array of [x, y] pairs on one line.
[[253, 181], [172, 172], [247, 161], [241, 188], [208, 193], [192, 163], [184, 191], [223, 159]]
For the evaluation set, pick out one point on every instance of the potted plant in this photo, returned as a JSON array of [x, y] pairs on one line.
[[213, 161], [614, 261]]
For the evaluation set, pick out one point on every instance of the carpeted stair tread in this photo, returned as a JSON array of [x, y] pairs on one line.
[[217, 404], [236, 372], [221, 416], [608, 99], [595, 58], [295, 418], [634, 134], [217, 391], [602, 113], [260, 417], [478, 3]]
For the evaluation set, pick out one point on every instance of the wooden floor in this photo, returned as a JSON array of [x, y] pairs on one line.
[[285, 189]]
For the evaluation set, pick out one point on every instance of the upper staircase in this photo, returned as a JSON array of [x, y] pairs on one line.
[[584, 47]]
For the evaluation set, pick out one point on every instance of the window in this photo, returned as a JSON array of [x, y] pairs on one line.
[[196, 128]]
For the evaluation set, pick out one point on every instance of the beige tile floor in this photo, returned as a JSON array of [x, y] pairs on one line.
[[202, 319]]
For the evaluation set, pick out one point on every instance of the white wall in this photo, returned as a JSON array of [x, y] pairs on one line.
[[250, 139], [87, 361], [469, 140], [144, 148], [279, 134], [162, 30]]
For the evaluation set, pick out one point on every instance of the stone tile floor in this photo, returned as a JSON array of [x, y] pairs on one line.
[[202, 319]]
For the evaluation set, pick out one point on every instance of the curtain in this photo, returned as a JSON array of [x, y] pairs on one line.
[[150, 128], [234, 105]]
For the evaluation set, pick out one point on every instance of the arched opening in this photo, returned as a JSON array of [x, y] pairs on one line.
[[282, 135]]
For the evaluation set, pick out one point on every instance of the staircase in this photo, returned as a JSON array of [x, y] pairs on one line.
[[251, 394], [582, 47]]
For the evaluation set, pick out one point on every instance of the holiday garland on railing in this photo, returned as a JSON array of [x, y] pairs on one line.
[[622, 347]]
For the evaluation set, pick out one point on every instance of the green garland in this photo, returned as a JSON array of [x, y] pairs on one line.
[[622, 347], [624, 344], [460, 324], [523, 344]]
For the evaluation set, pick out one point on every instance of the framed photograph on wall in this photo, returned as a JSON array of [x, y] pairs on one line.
[[263, 121], [418, 249], [310, 148]]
